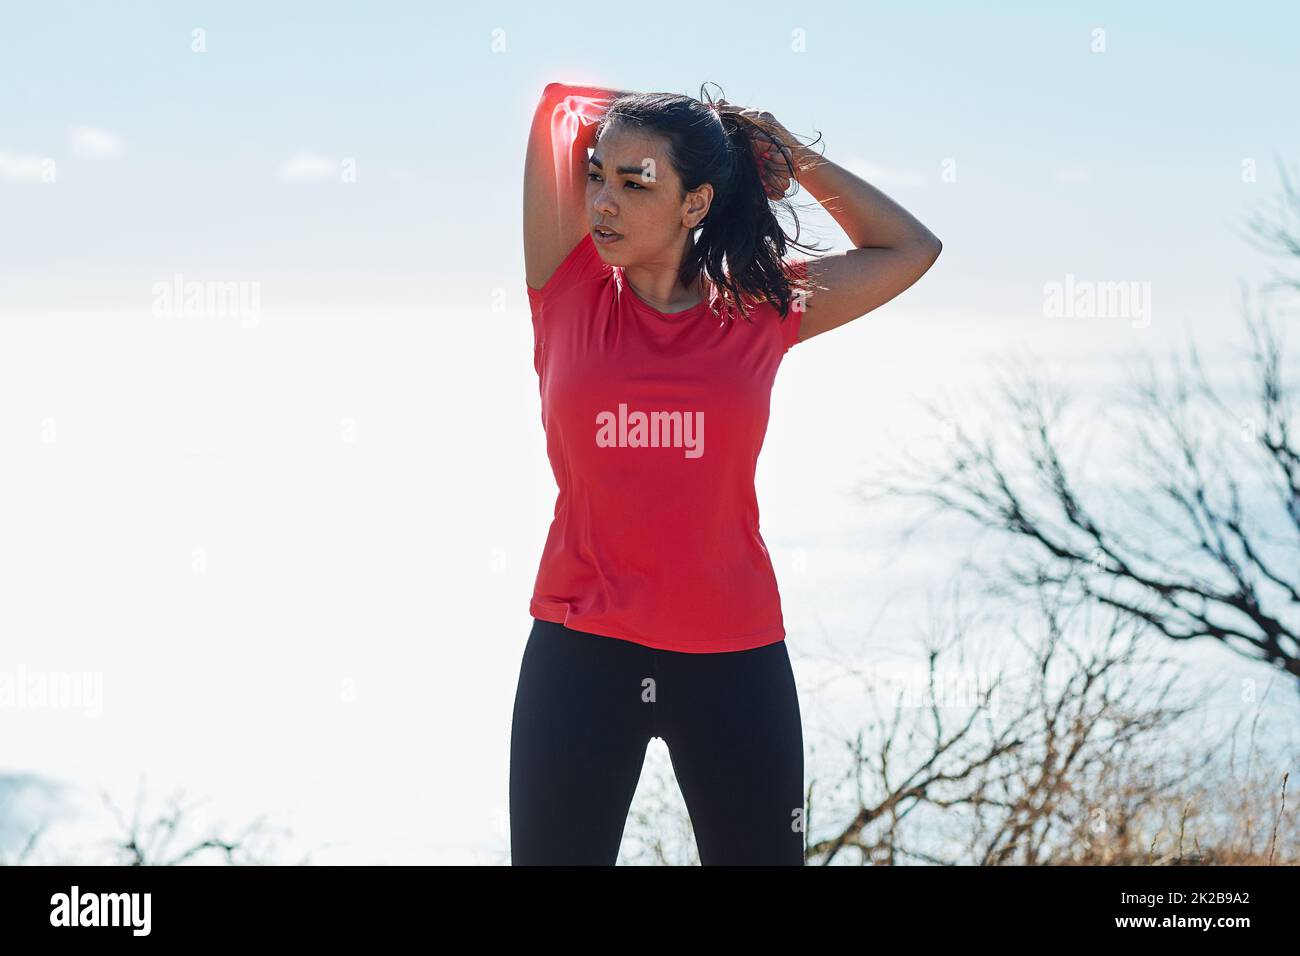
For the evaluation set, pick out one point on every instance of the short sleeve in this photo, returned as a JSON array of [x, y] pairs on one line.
[[791, 323], [581, 264]]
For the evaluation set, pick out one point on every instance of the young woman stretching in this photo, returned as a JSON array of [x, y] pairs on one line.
[[662, 304]]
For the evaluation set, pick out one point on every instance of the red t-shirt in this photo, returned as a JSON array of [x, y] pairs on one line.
[[653, 426]]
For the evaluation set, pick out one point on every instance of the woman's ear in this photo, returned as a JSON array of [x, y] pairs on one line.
[[698, 202]]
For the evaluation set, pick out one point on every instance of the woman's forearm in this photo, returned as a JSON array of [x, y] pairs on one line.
[[870, 218], [571, 112], [578, 108], [564, 128], [578, 89]]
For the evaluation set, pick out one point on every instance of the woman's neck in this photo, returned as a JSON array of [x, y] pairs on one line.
[[680, 297]]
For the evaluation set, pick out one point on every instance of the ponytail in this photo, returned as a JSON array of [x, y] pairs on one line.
[[741, 224]]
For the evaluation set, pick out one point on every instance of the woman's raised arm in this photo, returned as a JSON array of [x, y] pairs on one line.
[[555, 174], [892, 249]]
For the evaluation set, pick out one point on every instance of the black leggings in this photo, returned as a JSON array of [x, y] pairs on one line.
[[585, 710]]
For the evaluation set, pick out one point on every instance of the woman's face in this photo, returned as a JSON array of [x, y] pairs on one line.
[[633, 189]]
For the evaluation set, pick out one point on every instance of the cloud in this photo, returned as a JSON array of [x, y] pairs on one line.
[[306, 166], [881, 176], [94, 143], [21, 167]]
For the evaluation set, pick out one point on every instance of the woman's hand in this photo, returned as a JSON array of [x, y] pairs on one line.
[[775, 158]]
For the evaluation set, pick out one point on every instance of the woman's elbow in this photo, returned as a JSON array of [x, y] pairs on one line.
[[932, 245]]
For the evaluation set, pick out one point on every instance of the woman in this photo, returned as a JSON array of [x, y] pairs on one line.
[[655, 609]]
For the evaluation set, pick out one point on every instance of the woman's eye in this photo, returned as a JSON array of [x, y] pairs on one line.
[[595, 177]]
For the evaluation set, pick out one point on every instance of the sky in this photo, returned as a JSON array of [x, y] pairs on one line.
[[1006, 133], [299, 549]]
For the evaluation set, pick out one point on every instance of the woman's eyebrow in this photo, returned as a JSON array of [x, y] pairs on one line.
[[631, 170]]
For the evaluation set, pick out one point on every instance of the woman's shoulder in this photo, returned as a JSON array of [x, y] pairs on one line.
[[581, 263]]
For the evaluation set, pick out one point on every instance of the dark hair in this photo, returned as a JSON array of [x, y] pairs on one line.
[[707, 143]]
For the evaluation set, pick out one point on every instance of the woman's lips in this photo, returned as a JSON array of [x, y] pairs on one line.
[[604, 240]]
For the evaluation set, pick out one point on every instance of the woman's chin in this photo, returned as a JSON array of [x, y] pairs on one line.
[[611, 255]]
